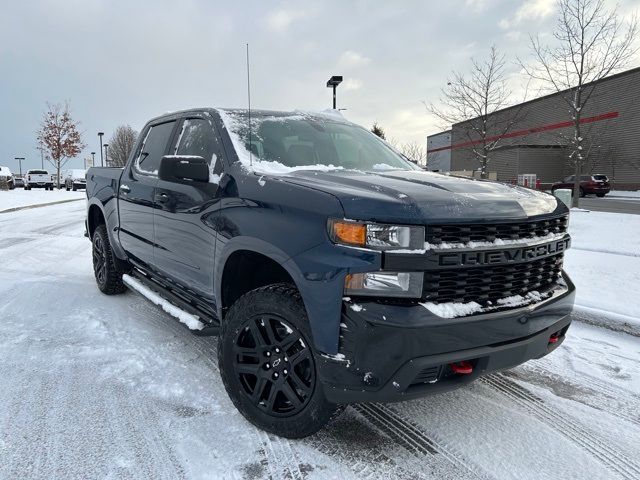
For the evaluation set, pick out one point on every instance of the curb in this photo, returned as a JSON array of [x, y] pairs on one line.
[[612, 321], [16, 209]]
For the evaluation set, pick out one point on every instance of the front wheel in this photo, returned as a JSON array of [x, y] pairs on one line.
[[582, 192], [268, 365], [104, 268]]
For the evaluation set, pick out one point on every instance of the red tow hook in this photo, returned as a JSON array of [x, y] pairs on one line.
[[461, 368], [554, 338]]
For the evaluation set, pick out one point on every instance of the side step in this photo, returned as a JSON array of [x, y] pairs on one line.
[[195, 319]]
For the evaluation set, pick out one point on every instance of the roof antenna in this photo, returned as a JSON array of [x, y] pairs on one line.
[[249, 101]]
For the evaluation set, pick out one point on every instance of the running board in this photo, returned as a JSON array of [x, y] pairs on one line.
[[199, 322]]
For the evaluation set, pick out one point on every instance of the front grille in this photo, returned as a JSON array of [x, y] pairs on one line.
[[487, 232], [493, 282]]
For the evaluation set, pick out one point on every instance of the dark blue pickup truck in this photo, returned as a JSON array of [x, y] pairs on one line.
[[334, 270]]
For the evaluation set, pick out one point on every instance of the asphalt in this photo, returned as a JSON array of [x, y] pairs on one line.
[[611, 204]]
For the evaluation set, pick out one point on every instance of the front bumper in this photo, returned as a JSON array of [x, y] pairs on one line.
[[397, 352]]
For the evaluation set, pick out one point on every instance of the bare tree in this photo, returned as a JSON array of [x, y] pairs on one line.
[[120, 146], [59, 136], [591, 43], [472, 100], [414, 152]]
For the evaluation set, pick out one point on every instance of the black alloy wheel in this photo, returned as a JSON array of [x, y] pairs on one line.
[[268, 363], [274, 365], [99, 260]]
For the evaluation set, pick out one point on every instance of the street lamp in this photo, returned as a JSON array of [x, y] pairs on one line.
[[106, 152], [93, 159], [20, 162], [333, 82], [100, 134]]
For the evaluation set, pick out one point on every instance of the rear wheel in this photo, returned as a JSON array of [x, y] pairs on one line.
[[108, 278], [600, 195], [582, 193], [268, 365]]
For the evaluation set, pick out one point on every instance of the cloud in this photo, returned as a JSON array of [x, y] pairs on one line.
[[280, 20], [529, 10], [351, 59], [351, 84]]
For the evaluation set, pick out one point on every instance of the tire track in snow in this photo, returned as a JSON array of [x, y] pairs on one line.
[[361, 448], [608, 456], [412, 438], [611, 404], [282, 461], [278, 455]]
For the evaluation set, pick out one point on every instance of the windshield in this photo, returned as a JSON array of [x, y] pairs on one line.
[[600, 177], [38, 172], [283, 142]]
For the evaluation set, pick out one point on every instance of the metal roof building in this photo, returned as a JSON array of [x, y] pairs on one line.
[[537, 141]]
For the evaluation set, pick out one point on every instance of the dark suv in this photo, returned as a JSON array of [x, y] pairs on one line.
[[589, 185], [334, 270]]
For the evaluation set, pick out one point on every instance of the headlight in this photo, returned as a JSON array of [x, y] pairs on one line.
[[385, 284], [376, 235]]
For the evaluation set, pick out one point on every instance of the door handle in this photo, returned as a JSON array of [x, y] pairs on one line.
[[125, 188], [162, 198]]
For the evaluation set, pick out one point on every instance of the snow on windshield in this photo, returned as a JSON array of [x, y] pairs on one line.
[[282, 143]]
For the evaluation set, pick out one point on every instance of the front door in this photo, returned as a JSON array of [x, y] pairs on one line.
[[185, 213], [136, 195]]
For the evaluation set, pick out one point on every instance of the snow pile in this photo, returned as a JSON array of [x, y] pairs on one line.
[[623, 194], [189, 320]]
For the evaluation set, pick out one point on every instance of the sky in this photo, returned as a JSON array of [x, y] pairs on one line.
[[126, 61]]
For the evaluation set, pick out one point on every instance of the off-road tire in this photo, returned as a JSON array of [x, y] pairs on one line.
[[108, 278], [276, 303]]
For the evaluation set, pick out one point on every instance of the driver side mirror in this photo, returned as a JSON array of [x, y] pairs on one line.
[[183, 169]]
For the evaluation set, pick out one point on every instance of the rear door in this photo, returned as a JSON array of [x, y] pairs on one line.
[[185, 213], [136, 193]]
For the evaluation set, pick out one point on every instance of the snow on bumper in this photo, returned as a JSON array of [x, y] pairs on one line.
[[399, 351]]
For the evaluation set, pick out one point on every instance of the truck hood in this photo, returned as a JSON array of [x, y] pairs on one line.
[[415, 196]]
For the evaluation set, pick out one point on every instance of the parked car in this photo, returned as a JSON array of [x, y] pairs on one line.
[[589, 185], [38, 179], [7, 176], [18, 182], [334, 270], [75, 178]]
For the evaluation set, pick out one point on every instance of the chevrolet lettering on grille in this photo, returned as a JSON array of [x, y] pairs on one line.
[[503, 256]]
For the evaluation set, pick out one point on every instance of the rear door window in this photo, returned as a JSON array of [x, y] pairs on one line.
[[154, 148]]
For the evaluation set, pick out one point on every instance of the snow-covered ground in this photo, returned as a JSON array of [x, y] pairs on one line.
[[624, 194], [604, 263], [17, 198], [93, 386]]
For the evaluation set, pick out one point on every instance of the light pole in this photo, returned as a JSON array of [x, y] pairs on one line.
[[333, 82], [93, 159], [100, 134], [20, 163], [41, 157], [106, 153]]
